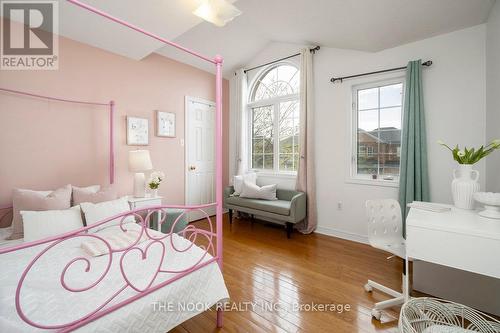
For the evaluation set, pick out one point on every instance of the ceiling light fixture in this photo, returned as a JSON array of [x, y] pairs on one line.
[[218, 12]]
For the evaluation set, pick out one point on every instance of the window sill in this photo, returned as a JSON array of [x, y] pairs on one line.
[[275, 174], [373, 182]]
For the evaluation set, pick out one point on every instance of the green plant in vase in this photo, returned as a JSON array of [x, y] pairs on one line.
[[154, 181], [472, 155], [465, 179]]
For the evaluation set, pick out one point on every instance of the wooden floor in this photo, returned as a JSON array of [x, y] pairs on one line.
[[261, 265]]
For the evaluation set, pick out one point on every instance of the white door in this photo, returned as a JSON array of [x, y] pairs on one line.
[[200, 154]]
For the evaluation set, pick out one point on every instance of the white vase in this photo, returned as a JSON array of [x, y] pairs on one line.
[[464, 185], [154, 193]]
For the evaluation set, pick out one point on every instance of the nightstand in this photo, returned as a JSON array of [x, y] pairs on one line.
[[145, 202]]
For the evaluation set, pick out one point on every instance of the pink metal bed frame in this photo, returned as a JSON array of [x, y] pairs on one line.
[[111, 106], [210, 255]]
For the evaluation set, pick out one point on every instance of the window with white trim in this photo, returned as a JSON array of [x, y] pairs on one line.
[[274, 119], [377, 122]]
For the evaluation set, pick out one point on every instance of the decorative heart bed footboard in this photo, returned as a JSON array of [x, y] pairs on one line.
[[123, 273]]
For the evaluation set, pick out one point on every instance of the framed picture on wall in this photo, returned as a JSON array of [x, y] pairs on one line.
[[137, 131], [165, 124]]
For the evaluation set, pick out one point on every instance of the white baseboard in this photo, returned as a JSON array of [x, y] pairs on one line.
[[342, 234]]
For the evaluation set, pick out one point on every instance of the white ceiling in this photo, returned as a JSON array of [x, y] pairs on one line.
[[368, 25], [166, 18]]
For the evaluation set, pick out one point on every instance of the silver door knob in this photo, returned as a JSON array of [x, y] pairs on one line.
[[192, 167]]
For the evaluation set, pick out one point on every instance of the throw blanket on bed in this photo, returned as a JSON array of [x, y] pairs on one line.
[[118, 240]]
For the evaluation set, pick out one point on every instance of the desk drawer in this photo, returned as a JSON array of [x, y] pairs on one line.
[[466, 252]]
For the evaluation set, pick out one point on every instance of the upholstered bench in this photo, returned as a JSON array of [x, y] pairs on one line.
[[290, 208]]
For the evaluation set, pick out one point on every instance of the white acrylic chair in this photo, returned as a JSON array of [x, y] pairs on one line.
[[385, 232]]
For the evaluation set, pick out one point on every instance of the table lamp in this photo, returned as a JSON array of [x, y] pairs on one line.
[[138, 162]]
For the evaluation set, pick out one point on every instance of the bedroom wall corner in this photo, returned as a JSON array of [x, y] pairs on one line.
[[492, 95], [443, 82]]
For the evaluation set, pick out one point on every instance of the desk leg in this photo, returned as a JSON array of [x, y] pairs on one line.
[[406, 283]]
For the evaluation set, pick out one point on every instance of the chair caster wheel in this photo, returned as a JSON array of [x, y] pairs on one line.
[[376, 314], [368, 288]]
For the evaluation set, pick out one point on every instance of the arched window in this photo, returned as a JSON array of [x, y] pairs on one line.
[[274, 119], [281, 80]]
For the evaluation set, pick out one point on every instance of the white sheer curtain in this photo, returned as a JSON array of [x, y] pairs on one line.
[[306, 181], [239, 121]]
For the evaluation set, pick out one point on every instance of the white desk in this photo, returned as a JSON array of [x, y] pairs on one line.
[[458, 238]]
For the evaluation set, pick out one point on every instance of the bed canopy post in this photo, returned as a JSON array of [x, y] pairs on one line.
[[218, 147], [54, 240], [111, 143]]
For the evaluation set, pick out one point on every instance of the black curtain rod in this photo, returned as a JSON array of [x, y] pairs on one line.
[[313, 50], [333, 79]]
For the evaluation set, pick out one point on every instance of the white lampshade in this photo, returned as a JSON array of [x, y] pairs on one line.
[[218, 12], [139, 161]]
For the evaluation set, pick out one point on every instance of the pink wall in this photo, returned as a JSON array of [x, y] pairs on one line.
[[48, 144]]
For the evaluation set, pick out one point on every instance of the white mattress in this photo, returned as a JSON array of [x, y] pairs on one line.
[[44, 300]]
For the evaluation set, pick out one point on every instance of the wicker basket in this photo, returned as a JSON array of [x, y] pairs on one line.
[[431, 315]]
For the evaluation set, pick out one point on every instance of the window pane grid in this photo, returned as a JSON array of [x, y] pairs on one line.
[[275, 126], [378, 134], [279, 80], [380, 108], [262, 137], [289, 135]]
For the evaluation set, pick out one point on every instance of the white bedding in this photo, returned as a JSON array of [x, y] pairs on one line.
[[4, 234], [44, 300]]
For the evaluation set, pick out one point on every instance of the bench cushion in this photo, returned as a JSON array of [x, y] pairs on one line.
[[280, 207]]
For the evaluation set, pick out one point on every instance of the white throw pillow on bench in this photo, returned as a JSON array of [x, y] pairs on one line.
[[250, 177], [253, 191]]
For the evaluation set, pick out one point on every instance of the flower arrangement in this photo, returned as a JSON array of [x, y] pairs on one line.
[[155, 179], [472, 156]]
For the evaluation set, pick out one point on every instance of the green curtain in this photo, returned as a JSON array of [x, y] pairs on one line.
[[414, 173]]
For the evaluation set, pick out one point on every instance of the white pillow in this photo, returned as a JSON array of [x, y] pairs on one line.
[[267, 192], [41, 224], [250, 177], [96, 212]]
